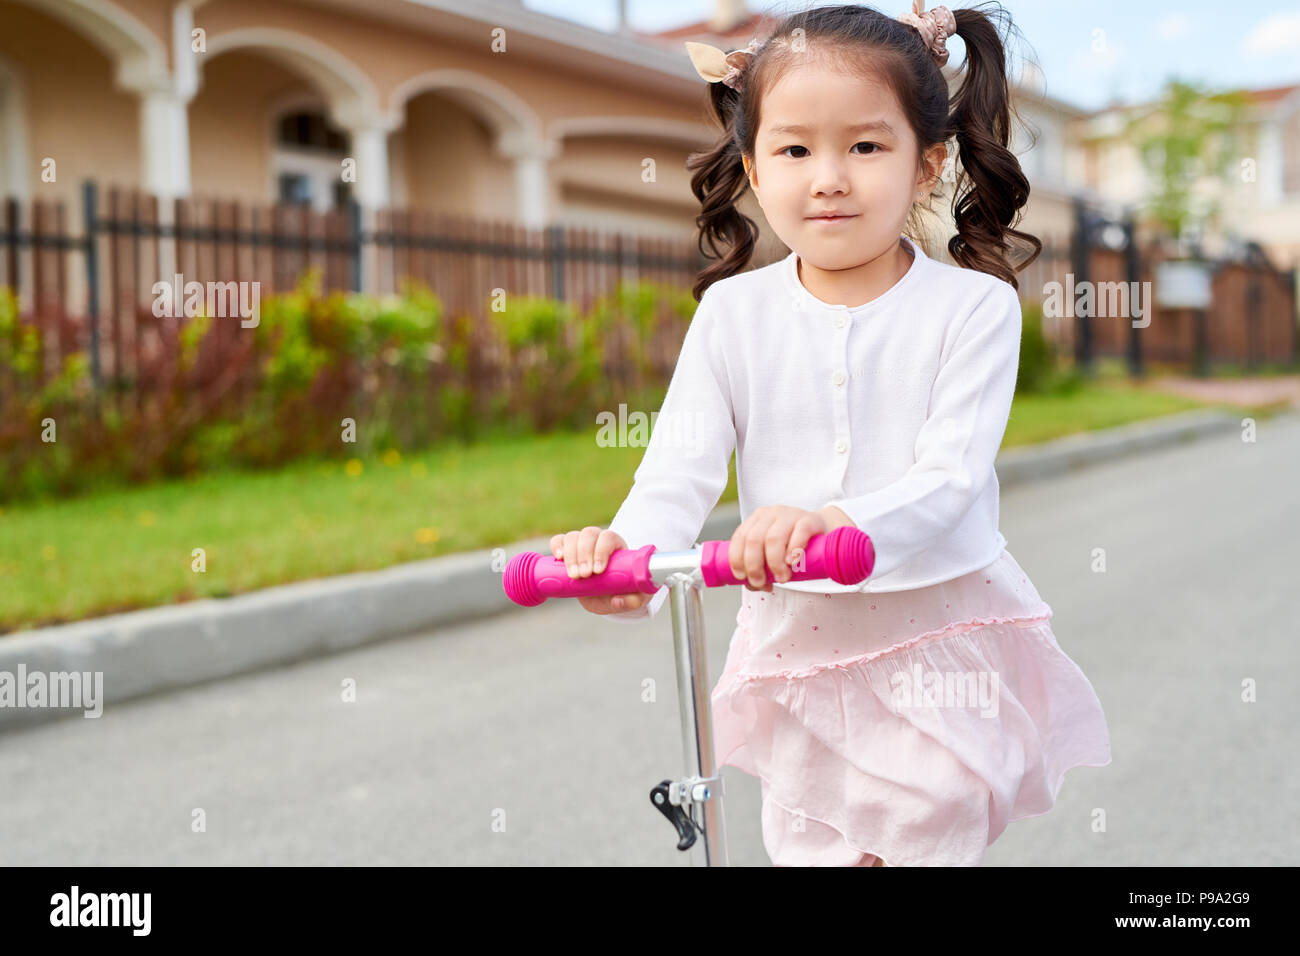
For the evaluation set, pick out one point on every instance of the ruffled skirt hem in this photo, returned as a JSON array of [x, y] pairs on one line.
[[919, 752]]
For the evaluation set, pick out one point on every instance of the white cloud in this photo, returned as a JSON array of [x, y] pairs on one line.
[[1172, 27], [1279, 33]]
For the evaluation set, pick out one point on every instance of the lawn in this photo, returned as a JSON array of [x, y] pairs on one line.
[[135, 547]]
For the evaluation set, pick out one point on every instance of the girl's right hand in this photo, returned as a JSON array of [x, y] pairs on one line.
[[585, 553]]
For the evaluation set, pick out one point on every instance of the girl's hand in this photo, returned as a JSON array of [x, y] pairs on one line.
[[776, 535], [585, 553]]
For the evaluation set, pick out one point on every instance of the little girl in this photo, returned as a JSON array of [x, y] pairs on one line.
[[904, 721]]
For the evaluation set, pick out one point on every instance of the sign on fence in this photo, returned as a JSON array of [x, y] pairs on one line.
[[1183, 284]]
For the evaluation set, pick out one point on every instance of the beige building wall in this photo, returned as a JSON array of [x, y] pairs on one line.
[[617, 185], [73, 114]]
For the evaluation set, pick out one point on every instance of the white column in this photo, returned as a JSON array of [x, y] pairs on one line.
[[532, 180], [164, 112], [370, 150], [530, 190], [164, 144], [1268, 165], [368, 127]]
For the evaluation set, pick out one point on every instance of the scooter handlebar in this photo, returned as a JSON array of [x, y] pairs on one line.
[[844, 555]]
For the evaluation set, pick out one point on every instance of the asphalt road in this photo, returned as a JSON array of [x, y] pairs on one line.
[[525, 739]]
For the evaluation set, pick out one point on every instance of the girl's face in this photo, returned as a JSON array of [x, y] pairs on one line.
[[810, 160]]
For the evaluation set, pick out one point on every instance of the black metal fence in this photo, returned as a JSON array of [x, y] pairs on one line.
[[86, 286]]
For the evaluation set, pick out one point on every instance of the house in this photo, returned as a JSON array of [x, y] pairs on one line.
[[1258, 194], [486, 109]]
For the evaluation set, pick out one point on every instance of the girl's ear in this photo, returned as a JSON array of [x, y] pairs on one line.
[[750, 173], [933, 161]]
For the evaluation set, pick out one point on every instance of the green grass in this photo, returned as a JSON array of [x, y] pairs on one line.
[[1105, 404], [129, 548]]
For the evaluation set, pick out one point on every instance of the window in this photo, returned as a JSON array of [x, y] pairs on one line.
[[312, 131], [307, 160], [295, 187]]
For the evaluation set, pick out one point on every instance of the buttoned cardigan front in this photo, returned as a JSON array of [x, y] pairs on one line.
[[892, 411]]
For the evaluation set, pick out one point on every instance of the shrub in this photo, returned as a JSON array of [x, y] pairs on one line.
[[1037, 362], [405, 374]]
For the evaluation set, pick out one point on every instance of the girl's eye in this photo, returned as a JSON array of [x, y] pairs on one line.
[[875, 149]]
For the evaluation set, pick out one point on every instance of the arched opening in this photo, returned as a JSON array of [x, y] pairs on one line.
[[273, 118], [469, 145]]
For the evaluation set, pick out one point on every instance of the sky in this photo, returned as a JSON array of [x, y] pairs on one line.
[[1091, 54]]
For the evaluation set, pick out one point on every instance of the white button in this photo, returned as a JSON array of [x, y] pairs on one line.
[[839, 321], [838, 379], [841, 446]]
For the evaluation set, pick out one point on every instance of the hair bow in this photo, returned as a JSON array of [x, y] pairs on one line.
[[718, 67], [935, 27]]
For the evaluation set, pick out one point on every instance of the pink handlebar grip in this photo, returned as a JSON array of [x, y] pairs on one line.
[[531, 578], [845, 555]]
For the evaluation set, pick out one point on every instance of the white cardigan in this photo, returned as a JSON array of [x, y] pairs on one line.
[[893, 411]]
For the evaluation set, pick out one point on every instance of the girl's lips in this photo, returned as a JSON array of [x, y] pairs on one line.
[[831, 219]]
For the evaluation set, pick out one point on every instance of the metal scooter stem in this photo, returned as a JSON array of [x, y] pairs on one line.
[[693, 804], [699, 794]]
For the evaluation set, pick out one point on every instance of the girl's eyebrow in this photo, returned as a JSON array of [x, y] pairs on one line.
[[875, 126]]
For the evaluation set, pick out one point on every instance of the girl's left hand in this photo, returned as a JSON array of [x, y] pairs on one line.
[[776, 535]]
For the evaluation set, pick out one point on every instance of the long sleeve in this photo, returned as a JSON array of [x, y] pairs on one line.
[[956, 446], [684, 469]]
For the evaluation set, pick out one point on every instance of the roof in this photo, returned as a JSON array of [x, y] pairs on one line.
[[1267, 97], [744, 30]]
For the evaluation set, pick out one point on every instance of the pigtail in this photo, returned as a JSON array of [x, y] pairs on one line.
[[718, 179], [980, 119]]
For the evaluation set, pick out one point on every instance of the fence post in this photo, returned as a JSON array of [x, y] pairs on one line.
[[555, 252], [354, 223], [1080, 249], [1252, 316], [90, 222], [1293, 275], [1201, 366], [1133, 268]]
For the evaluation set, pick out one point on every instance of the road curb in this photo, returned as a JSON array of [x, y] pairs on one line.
[[1045, 460], [161, 649]]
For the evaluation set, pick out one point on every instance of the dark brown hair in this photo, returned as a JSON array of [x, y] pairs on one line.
[[990, 189]]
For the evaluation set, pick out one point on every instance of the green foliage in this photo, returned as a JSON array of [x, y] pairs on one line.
[[1036, 360], [1188, 134], [1038, 372], [406, 373]]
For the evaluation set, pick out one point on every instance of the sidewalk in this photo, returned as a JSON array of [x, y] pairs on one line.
[[160, 649], [1245, 391]]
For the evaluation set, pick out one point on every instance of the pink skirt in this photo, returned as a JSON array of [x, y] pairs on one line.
[[907, 725]]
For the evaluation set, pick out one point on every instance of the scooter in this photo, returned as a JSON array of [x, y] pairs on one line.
[[692, 804]]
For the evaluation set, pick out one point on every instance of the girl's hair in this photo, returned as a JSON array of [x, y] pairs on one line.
[[991, 187]]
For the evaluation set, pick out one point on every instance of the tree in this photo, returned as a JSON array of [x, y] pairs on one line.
[[1186, 135]]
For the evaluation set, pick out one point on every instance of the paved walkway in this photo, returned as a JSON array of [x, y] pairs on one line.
[[1238, 391]]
